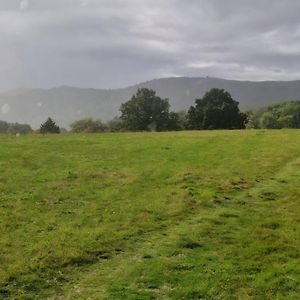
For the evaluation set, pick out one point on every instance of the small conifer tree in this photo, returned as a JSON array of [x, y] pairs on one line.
[[49, 126]]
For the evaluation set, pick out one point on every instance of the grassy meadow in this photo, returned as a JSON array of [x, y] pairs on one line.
[[181, 215]]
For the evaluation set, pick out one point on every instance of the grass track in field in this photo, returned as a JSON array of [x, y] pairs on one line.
[[184, 215]]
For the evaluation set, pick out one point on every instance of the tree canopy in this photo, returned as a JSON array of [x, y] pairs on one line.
[[88, 125], [215, 110], [145, 111], [283, 115], [49, 126]]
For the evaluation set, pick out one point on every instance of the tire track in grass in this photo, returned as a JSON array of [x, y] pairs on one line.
[[248, 235]]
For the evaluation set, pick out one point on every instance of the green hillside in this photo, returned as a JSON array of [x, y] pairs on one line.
[[185, 215]]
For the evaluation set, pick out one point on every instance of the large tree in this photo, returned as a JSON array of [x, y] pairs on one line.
[[145, 111], [216, 110]]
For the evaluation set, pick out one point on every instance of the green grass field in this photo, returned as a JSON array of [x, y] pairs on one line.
[[185, 215]]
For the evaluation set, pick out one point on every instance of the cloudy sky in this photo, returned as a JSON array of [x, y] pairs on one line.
[[115, 43]]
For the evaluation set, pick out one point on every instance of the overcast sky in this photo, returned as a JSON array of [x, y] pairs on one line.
[[115, 43]]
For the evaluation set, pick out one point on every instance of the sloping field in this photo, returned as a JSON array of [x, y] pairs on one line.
[[187, 215]]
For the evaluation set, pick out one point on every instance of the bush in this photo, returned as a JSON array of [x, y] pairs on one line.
[[116, 125], [88, 125]]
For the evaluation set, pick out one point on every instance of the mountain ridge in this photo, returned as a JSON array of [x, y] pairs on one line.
[[66, 103]]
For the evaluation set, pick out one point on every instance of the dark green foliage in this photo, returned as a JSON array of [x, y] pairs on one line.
[[177, 120], [116, 124], [88, 125], [182, 115], [253, 120], [269, 120], [14, 128], [49, 127], [3, 127], [145, 111], [284, 115], [216, 110]]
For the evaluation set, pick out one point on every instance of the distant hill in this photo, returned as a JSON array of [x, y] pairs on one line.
[[66, 104]]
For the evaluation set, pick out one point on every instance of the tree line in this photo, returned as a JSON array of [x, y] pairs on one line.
[[14, 128], [284, 115], [146, 111]]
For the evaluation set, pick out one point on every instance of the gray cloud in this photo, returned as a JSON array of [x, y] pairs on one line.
[[104, 43]]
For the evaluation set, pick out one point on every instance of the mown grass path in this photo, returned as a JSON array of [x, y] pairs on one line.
[[189, 215]]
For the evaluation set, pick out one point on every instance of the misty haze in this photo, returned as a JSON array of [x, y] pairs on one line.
[[149, 149]]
